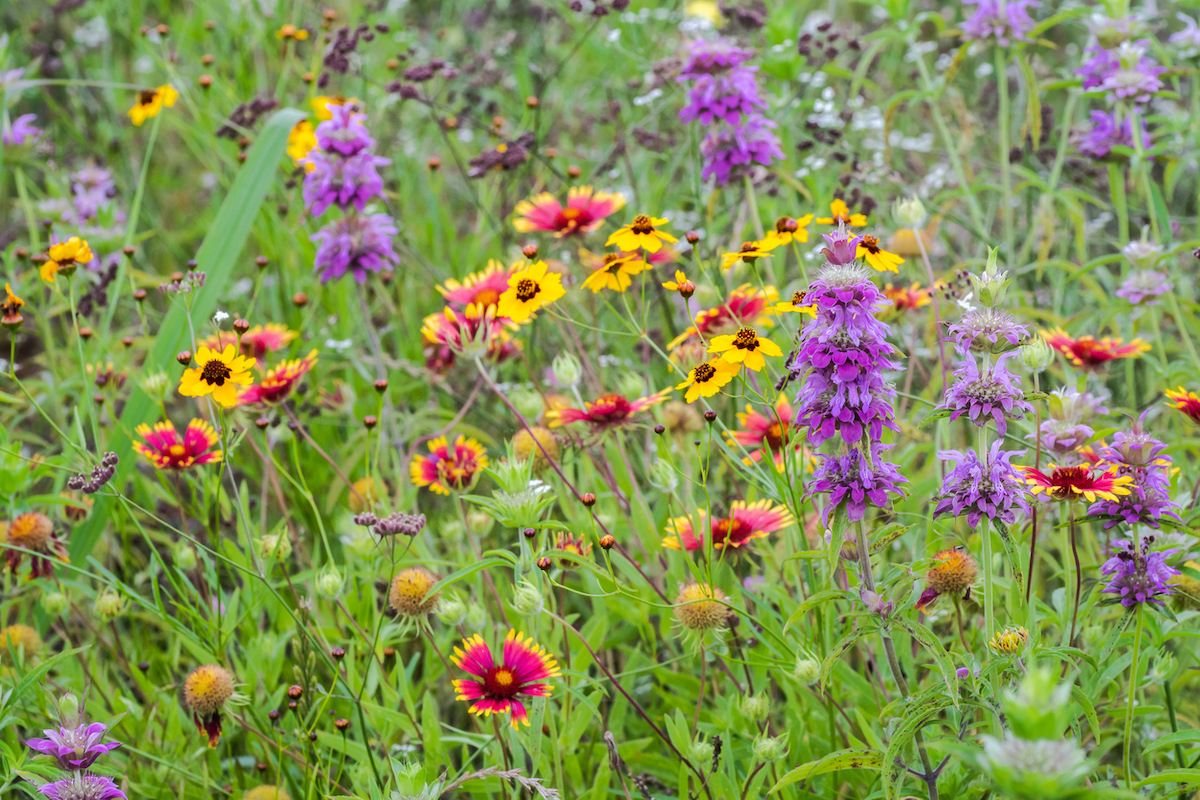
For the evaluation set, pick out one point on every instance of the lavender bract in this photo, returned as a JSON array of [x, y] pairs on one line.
[[994, 392], [993, 489], [1004, 21], [22, 131], [358, 244], [1137, 575], [987, 330], [83, 786]]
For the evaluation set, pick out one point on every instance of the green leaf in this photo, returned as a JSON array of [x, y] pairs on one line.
[[1111, 642], [838, 650], [936, 414], [838, 529], [1172, 739], [1012, 554], [940, 656], [217, 257], [1187, 776], [853, 758], [887, 535], [817, 599], [914, 719]]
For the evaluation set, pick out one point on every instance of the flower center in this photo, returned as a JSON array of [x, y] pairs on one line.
[[527, 290], [215, 373], [703, 373], [785, 225], [501, 681], [798, 298], [147, 97], [487, 297], [776, 435], [177, 450], [641, 224], [746, 339], [732, 531], [870, 244]]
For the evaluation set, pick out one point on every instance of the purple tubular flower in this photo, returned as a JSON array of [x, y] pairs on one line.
[[344, 134], [1105, 134], [996, 393], [1124, 72], [1136, 575], [1062, 436], [75, 748], [723, 98], [841, 249], [729, 151], [91, 188], [849, 477], [83, 786], [1144, 287], [21, 131], [994, 490], [342, 181], [358, 244], [844, 351], [1005, 21], [988, 331], [1139, 455], [712, 58]]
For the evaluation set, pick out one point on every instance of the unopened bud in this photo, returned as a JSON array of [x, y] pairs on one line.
[[527, 600], [1036, 354], [909, 212], [567, 369]]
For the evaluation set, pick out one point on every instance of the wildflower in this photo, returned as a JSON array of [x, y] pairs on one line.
[[744, 347], [291, 33], [730, 151], [482, 289], [477, 331], [700, 607], [615, 273], [1144, 287], [566, 543], [1009, 642], [799, 304], [398, 524], [1125, 72], [11, 309], [323, 106], [64, 257], [749, 253], [268, 791], [279, 382], [743, 524], [108, 605], [342, 169], [723, 87], [166, 450], [528, 290], [151, 101], [83, 786], [992, 488], [585, 211], [1092, 353], [786, 231], [1004, 20], [954, 573], [300, 142], [681, 284], [1137, 575], [1139, 455], [1076, 483], [995, 393], [609, 411], [257, 341], [449, 468], [500, 688], [987, 330], [33, 532], [1105, 133], [852, 478], [1187, 402], [839, 213], [706, 379], [642, 233], [409, 593], [22, 131], [766, 434], [743, 306], [535, 443], [19, 639], [879, 259], [205, 693], [218, 374], [906, 298]]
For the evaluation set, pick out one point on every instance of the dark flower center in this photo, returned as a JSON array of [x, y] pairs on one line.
[[870, 244], [785, 225], [704, 373], [641, 224], [734, 531], [776, 435], [746, 339], [798, 298], [147, 97], [527, 290], [215, 373]]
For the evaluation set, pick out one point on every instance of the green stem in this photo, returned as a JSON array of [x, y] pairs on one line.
[[1133, 674], [135, 210], [1181, 324], [1005, 167]]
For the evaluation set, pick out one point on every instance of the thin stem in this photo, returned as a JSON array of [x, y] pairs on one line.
[[1005, 167], [1133, 671], [1078, 573]]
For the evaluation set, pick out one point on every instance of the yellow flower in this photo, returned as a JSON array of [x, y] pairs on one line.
[[218, 374], [796, 304], [321, 105], [10, 309], [151, 101], [528, 290], [787, 230], [877, 257], [615, 273], [641, 233], [64, 257], [706, 379], [744, 347], [749, 253], [705, 9], [681, 284], [301, 140], [290, 31], [840, 212]]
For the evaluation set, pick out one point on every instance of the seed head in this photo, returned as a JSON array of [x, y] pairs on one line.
[[409, 594], [697, 607], [207, 689]]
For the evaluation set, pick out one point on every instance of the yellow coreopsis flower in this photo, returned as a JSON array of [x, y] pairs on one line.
[[290, 31], [787, 230], [876, 256], [799, 304], [641, 233], [218, 374], [615, 273], [301, 140], [151, 101], [528, 290], [705, 380], [745, 347], [750, 252], [321, 105], [840, 212], [64, 257], [681, 284]]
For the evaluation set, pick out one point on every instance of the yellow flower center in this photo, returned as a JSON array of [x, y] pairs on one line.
[[570, 213], [215, 373], [503, 677]]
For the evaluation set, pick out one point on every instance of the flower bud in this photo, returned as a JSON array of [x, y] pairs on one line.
[[701, 752], [275, 546], [527, 600], [527, 402], [329, 582], [183, 555], [480, 521], [108, 605], [807, 670], [663, 476], [755, 707], [1036, 354], [992, 284], [631, 384], [909, 212], [1164, 666], [55, 603], [452, 611], [567, 369], [476, 618], [771, 749]]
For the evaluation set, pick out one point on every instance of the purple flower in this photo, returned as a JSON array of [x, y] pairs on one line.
[[987, 330], [358, 244], [1124, 72], [1005, 21], [849, 477], [75, 748], [841, 249], [730, 150], [344, 133], [83, 786], [1136, 575], [1139, 455], [21, 131], [994, 490], [723, 98], [711, 58], [342, 181], [1189, 37], [1105, 134], [995, 393], [1062, 436], [91, 188], [1144, 287]]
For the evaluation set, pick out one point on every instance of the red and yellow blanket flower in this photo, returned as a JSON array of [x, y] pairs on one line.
[[449, 468], [167, 450], [1092, 353], [501, 688], [609, 411], [585, 211], [743, 524]]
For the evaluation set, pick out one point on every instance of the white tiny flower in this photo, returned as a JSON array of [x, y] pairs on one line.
[[220, 316]]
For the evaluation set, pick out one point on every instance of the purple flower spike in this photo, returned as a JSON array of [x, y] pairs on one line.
[[849, 477], [995, 393], [994, 489], [729, 151], [1139, 455], [84, 786], [1105, 134], [1144, 287], [1004, 21], [988, 331], [1136, 575], [357, 244], [75, 748]]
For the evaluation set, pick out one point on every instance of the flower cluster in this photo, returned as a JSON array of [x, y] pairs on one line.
[[1005, 21], [979, 488], [1139, 456], [1136, 575], [75, 746], [1126, 75], [723, 92]]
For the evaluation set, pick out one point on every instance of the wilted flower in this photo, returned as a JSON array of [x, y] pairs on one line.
[[205, 692], [409, 592], [699, 607], [954, 574], [33, 532]]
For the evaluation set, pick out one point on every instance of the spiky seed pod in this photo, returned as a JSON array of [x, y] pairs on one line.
[[697, 607]]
